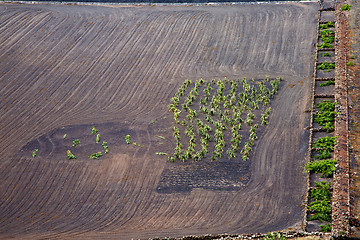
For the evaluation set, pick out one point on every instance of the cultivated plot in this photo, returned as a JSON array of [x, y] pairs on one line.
[[66, 69]]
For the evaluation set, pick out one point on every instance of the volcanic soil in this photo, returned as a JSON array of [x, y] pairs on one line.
[[66, 68]]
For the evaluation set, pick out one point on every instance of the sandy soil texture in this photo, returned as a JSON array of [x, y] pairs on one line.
[[64, 69]]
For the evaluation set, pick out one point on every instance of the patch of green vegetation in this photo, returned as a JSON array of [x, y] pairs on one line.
[[94, 130], [70, 155], [64, 136], [97, 138], [321, 211], [105, 146], [274, 236], [345, 7], [325, 167], [325, 228], [350, 63], [213, 114], [325, 143], [327, 83], [127, 139], [326, 66], [326, 114], [327, 25], [34, 153], [75, 142], [326, 54], [95, 155], [352, 56], [325, 45]]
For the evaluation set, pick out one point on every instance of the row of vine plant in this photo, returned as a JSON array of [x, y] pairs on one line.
[[321, 161], [210, 115]]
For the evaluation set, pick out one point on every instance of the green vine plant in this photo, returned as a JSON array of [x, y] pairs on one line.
[[326, 115], [320, 208], [327, 83], [345, 7], [218, 119], [328, 66]]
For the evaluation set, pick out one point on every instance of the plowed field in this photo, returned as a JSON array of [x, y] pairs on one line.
[[64, 69]]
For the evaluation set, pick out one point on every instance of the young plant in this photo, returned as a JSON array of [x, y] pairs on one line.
[[95, 155], [325, 167], [326, 54], [97, 138], [34, 153], [127, 139], [70, 155], [327, 83], [326, 66], [105, 146], [325, 45], [345, 7], [94, 130], [75, 142]]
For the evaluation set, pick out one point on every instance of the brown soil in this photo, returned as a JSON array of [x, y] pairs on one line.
[[66, 68]]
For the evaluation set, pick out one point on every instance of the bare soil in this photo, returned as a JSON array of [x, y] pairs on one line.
[[64, 69]]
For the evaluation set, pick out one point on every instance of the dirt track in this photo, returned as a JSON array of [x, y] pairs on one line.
[[116, 68]]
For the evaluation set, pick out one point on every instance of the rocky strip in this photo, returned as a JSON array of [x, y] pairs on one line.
[[340, 201]]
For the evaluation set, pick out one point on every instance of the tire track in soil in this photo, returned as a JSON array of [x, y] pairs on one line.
[[125, 66]]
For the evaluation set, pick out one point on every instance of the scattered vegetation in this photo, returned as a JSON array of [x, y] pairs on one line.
[[210, 115], [70, 155], [320, 206], [345, 7], [34, 153]]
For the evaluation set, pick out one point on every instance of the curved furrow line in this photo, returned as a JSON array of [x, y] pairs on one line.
[[147, 91], [135, 85], [17, 202]]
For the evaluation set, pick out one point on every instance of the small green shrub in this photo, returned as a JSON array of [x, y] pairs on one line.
[[326, 115], [321, 210], [326, 54], [325, 45], [94, 130], [105, 146], [325, 143], [274, 236], [345, 7], [325, 167], [34, 153], [322, 191], [97, 138], [327, 83], [350, 63], [326, 66], [325, 228], [75, 142], [70, 155], [127, 139], [327, 25], [95, 155]]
